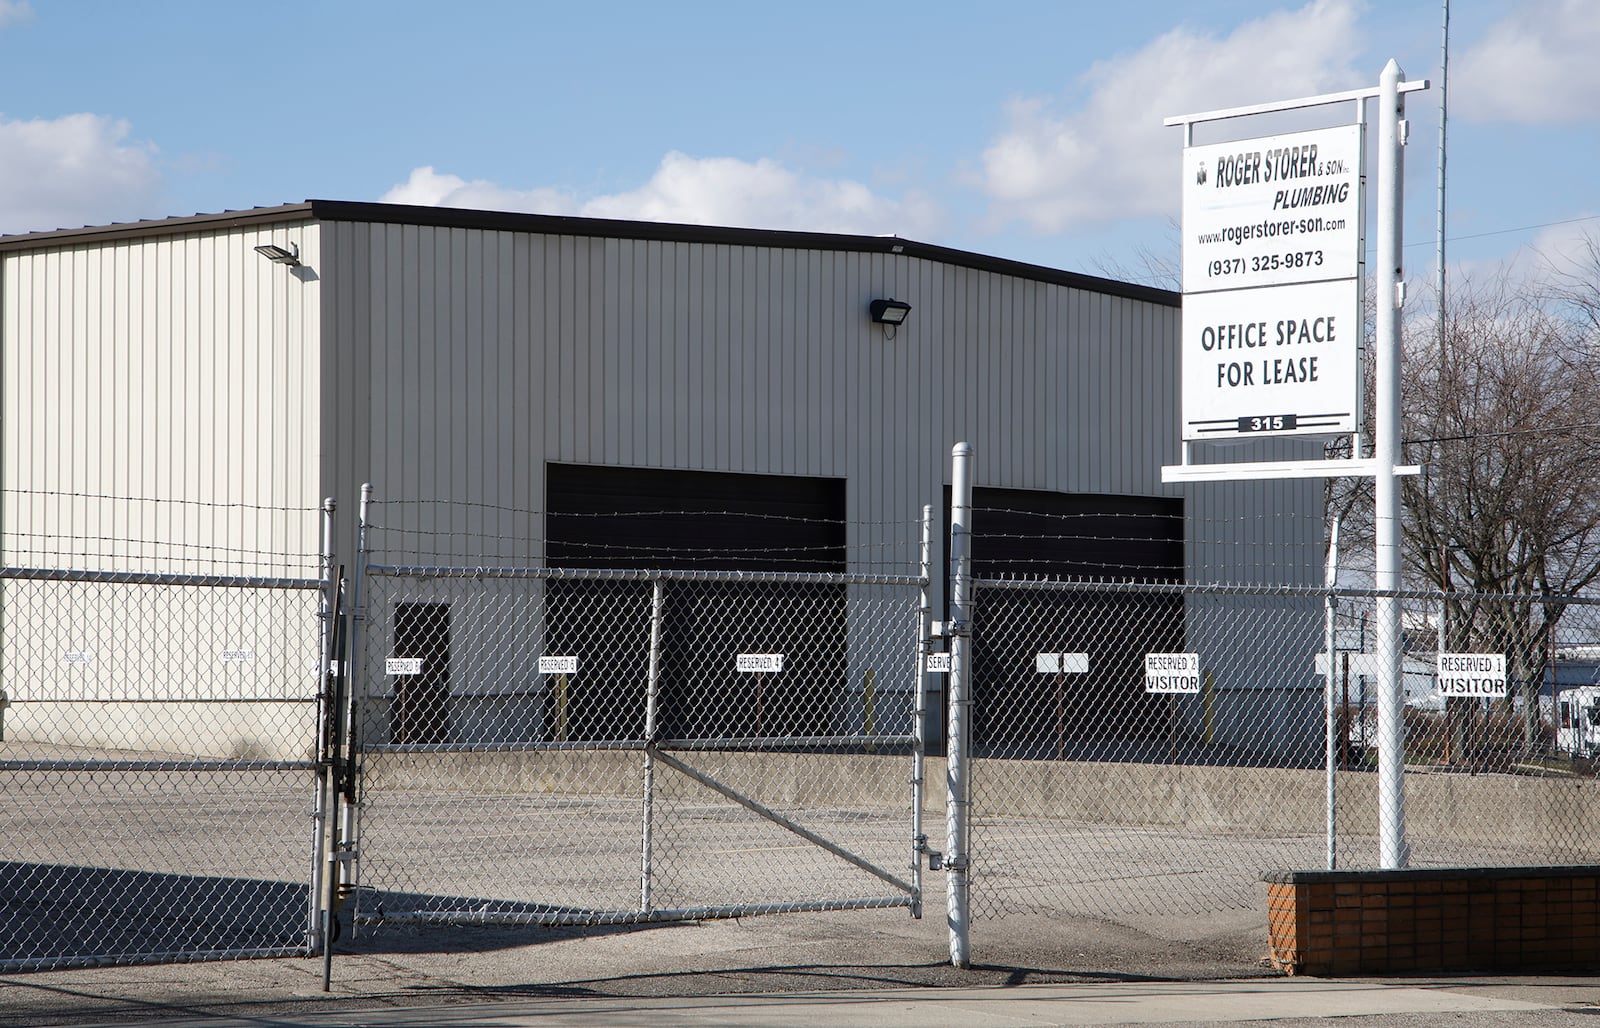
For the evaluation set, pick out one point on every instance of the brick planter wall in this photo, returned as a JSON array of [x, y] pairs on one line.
[[1435, 919]]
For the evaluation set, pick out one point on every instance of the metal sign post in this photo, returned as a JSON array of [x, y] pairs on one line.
[[1283, 202], [1389, 295]]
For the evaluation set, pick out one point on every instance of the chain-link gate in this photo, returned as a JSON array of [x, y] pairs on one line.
[[546, 745], [158, 741]]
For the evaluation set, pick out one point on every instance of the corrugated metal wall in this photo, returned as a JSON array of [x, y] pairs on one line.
[[180, 370], [453, 363], [463, 359], [161, 414]]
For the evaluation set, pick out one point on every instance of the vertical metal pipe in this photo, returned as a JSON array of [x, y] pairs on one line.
[[358, 688], [1389, 297], [1330, 581], [957, 785], [321, 912], [919, 711], [652, 690]]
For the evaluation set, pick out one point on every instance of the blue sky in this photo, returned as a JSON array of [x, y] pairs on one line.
[[1026, 130]]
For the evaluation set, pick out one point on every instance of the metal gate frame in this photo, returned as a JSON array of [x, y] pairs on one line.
[[316, 918], [654, 751]]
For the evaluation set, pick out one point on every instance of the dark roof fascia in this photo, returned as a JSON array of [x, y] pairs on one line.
[[505, 221], [252, 218]]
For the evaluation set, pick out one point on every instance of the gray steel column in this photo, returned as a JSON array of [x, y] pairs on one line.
[[322, 872], [355, 698]]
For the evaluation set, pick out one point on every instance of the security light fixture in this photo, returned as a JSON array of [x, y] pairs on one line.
[[889, 312], [278, 255]]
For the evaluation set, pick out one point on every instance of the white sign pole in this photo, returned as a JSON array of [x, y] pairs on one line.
[[1389, 295], [1246, 333]]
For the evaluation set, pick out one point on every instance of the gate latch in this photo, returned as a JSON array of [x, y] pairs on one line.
[[949, 629], [935, 858]]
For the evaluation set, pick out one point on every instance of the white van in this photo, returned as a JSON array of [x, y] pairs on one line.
[[1578, 721]]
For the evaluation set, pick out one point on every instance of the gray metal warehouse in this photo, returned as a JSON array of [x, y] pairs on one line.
[[208, 377]]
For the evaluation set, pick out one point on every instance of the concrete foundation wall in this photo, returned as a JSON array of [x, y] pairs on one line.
[[1521, 811]]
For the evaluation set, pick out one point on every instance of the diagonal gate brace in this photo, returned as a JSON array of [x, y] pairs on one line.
[[783, 822]]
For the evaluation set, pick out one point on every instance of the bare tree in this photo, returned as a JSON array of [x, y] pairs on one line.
[[1160, 266], [1501, 412]]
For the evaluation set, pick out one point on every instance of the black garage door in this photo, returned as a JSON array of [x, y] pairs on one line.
[[631, 518], [1074, 537]]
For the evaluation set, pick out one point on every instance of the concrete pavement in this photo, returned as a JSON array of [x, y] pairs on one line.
[[1270, 1002], [848, 968]]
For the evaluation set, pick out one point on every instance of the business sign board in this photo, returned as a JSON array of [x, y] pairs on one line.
[[1061, 663], [1172, 672], [1272, 211], [559, 664], [1277, 361], [1472, 674], [1272, 266], [758, 663]]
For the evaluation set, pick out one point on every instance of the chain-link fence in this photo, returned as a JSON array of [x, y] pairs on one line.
[[1095, 793], [1500, 726], [561, 729], [158, 734], [586, 745], [1153, 749]]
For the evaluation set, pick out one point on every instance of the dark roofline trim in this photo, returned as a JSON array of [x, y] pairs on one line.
[[504, 221], [252, 218]]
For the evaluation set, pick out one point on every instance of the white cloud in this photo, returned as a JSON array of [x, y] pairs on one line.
[[1110, 157], [701, 191], [80, 169], [14, 12], [1537, 65], [428, 188]]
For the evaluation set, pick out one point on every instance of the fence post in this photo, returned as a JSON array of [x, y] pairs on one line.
[[1330, 710], [356, 697], [957, 786], [919, 711], [658, 605], [320, 913]]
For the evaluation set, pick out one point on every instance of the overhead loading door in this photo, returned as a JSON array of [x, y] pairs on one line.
[[603, 517], [1030, 706]]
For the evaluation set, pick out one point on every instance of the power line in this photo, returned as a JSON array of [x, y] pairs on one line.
[[1501, 435], [1509, 231]]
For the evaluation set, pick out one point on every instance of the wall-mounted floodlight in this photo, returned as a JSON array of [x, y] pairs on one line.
[[889, 312], [278, 255]]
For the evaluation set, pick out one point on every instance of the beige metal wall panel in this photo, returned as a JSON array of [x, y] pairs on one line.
[[161, 414], [161, 392]]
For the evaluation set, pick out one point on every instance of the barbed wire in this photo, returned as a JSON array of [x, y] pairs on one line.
[[169, 501], [20, 541]]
